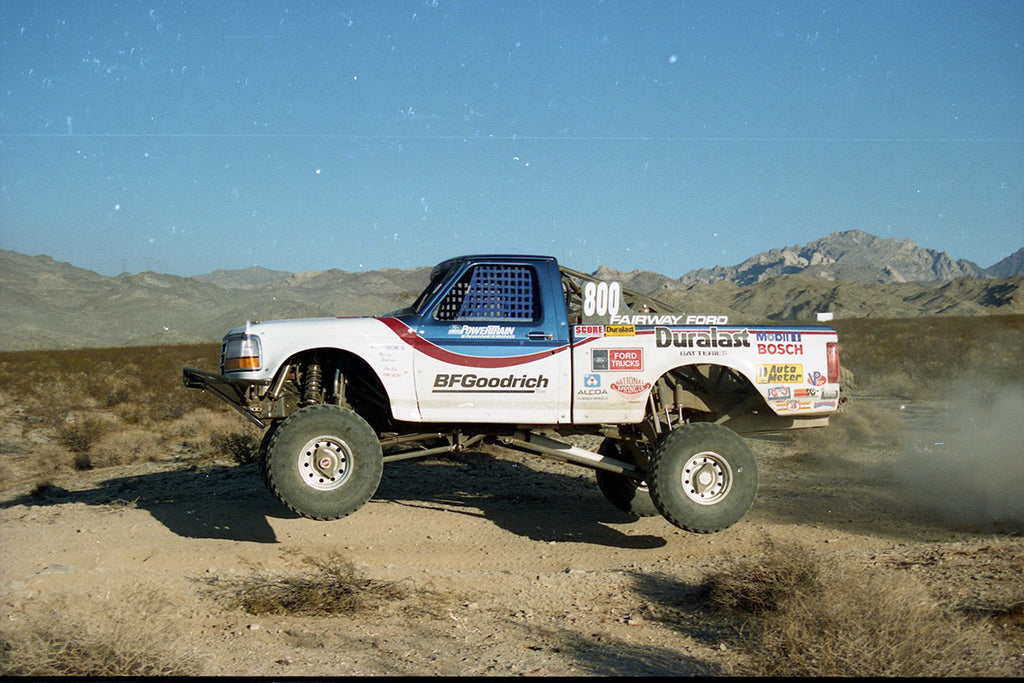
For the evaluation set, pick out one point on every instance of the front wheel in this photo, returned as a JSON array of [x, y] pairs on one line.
[[323, 462], [703, 477]]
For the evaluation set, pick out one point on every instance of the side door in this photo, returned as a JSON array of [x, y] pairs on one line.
[[494, 347]]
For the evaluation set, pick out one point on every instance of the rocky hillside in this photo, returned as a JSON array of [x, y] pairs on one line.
[[51, 305], [1009, 266], [852, 256]]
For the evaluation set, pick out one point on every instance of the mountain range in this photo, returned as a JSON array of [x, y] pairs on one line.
[[855, 256], [48, 304]]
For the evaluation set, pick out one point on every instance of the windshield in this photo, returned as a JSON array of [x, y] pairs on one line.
[[437, 278]]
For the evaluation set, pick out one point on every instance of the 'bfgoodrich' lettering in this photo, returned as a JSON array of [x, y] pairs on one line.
[[512, 384]]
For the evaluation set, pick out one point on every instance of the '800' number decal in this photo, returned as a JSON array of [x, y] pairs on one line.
[[601, 298]]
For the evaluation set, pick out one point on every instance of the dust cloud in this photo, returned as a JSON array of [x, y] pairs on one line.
[[965, 460]]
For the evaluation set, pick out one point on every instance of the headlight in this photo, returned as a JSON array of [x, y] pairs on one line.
[[240, 353]]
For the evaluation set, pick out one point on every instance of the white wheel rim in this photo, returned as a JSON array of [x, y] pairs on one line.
[[707, 478], [325, 463]]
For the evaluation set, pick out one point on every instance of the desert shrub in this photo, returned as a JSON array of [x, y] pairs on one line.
[[80, 435], [763, 583], [125, 446], [90, 408], [811, 618], [60, 640], [148, 376], [241, 447], [203, 422], [331, 587]]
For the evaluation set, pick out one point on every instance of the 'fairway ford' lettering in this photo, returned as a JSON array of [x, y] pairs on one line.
[[470, 382], [712, 339], [644, 319]]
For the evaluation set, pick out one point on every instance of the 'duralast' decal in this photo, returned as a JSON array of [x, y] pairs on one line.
[[712, 338]]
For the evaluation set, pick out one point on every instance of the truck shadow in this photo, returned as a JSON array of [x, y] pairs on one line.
[[230, 502], [216, 502], [545, 506]]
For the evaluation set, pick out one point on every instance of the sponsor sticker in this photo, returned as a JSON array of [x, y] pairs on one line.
[[591, 381], [777, 336], [470, 383], [815, 379], [778, 393], [588, 330], [780, 373], [794, 406], [630, 386], [619, 330], [629, 360], [482, 331], [712, 338], [780, 349], [597, 394]]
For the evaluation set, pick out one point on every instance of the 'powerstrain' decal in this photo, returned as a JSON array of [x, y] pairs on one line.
[[428, 348]]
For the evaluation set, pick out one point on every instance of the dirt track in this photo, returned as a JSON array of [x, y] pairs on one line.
[[509, 565]]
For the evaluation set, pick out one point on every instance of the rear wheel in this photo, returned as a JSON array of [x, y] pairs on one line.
[[703, 477], [323, 462], [626, 493]]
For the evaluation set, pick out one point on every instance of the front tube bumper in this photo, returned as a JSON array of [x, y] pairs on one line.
[[234, 392]]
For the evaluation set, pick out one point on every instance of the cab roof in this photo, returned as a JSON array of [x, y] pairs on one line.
[[447, 265]]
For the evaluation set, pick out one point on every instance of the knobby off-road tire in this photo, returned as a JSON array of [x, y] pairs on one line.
[[262, 457], [625, 493], [323, 462], [703, 477]]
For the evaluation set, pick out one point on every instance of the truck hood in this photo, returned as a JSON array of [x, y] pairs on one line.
[[289, 327], [282, 339]]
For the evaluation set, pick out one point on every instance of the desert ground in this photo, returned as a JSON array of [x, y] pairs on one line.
[[139, 540]]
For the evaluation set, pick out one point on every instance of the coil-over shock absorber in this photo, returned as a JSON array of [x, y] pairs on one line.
[[312, 383]]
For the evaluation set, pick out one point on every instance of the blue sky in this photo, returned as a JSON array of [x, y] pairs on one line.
[[183, 137]]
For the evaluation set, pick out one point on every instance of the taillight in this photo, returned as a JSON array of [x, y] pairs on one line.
[[832, 354]]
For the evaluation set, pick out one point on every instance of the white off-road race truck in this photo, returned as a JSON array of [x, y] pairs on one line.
[[520, 352]]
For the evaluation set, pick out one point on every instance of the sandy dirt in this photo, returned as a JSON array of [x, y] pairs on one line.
[[508, 564]]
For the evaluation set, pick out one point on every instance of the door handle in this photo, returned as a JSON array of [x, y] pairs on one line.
[[538, 336]]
